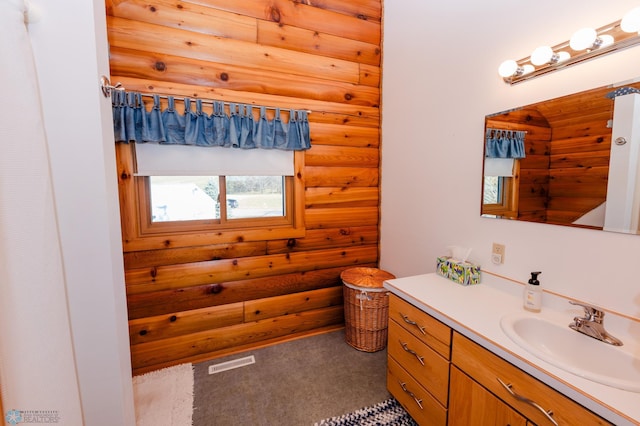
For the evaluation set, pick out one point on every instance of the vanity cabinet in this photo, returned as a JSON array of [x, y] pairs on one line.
[[419, 351], [443, 378], [508, 390]]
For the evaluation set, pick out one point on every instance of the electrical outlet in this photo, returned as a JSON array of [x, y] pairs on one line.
[[497, 253]]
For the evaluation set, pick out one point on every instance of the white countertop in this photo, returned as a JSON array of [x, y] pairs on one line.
[[475, 311]]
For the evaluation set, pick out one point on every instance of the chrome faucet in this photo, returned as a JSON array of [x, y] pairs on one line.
[[592, 324]]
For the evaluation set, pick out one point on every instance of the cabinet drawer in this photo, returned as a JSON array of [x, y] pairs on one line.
[[426, 328], [414, 398], [429, 368], [487, 369]]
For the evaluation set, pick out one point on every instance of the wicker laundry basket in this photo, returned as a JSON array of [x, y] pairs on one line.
[[366, 308]]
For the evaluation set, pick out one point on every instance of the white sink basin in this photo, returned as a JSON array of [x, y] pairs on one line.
[[574, 352]]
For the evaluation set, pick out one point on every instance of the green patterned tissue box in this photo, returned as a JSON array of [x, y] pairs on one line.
[[464, 273]]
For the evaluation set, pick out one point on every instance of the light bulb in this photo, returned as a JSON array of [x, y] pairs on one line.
[[631, 21], [563, 56], [528, 68], [583, 39], [605, 40], [542, 55], [508, 68]]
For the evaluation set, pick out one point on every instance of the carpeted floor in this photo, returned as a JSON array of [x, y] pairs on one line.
[[295, 383]]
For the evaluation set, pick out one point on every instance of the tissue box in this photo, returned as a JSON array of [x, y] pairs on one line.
[[464, 273]]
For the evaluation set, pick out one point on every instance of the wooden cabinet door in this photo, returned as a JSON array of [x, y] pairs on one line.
[[472, 404]]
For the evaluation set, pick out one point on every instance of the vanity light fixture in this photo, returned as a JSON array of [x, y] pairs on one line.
[[585, 44]]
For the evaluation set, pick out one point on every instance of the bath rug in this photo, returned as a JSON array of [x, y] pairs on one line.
[[164, 397], [386, 413]]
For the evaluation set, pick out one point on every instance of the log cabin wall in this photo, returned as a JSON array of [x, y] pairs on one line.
[[197, 301]]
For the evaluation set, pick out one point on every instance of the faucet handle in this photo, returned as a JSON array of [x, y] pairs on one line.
[[591, 313]]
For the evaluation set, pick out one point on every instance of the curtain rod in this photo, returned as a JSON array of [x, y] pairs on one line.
[[107, 88], [510, 130]]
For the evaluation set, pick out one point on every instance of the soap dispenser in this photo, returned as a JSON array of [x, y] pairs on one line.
[[533, 294]]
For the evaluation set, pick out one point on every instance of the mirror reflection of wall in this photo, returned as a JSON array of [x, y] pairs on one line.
[[565, 175], [622, 210]]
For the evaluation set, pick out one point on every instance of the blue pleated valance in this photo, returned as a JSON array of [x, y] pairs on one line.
[[238, 129], [504, 143]]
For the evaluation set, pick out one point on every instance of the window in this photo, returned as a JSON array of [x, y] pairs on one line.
[[184, 198], [493, 190], [500, 190], [173, 210], [183, 203]]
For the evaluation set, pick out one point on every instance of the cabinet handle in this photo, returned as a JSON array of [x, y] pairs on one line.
[[404, 388], [412, 352], [547, 414], [410, 322]]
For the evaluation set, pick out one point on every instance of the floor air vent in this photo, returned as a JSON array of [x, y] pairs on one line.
[[230, 365]]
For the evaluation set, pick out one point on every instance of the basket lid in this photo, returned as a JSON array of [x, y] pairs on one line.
[[366, 277]]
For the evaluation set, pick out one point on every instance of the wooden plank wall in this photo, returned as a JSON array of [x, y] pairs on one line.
[[195, 303]]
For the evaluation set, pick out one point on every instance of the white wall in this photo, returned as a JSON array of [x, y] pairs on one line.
[[70, 48], [34, 312], [439, 81]]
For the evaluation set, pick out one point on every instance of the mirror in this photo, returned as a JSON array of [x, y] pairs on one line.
[[580, 166]]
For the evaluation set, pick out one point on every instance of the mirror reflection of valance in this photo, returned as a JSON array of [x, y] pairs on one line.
[[621, 91], [502, 143], [238, 129]]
